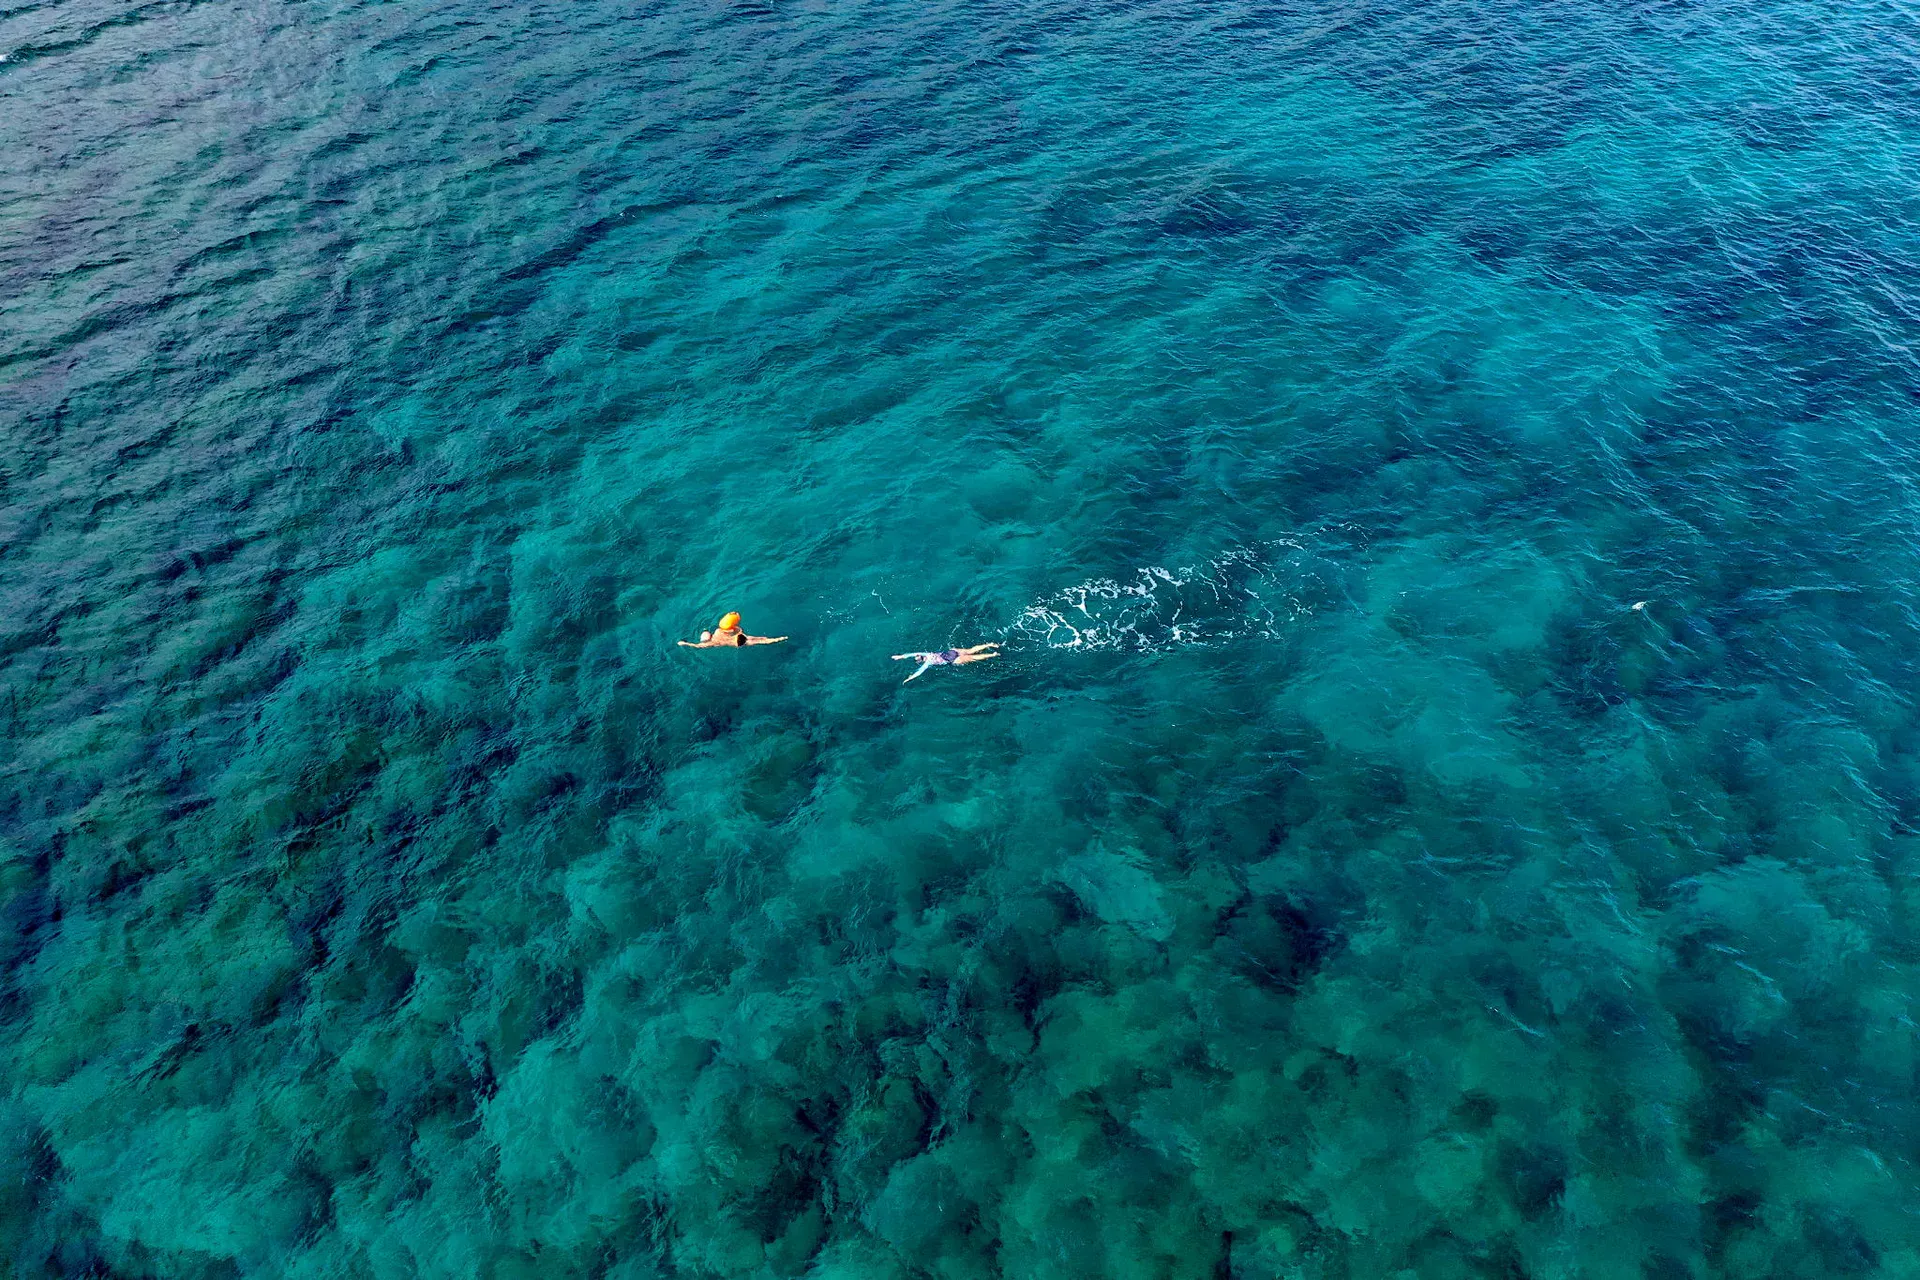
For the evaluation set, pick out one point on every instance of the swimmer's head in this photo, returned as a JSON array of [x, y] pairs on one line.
[[729, 621]]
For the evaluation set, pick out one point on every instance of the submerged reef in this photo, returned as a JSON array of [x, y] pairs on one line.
[[1445, 478], [1102, 996]]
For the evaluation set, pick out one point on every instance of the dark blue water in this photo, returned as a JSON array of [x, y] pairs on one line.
[[1445, 477]]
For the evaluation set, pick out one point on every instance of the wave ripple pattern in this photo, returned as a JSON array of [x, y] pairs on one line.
[[1445, 476]]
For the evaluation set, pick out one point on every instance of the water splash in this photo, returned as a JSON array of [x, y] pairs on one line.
[[1247, 593]]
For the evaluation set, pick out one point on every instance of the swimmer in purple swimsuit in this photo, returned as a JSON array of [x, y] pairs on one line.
[[948, 658]]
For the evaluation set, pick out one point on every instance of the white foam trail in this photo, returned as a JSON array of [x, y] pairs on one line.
[[1248, 593]]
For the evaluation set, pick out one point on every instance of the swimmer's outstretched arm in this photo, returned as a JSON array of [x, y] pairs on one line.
[[924, 659], [765, 639]]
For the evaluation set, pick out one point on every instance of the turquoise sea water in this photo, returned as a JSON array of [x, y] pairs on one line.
[[1445, 474]]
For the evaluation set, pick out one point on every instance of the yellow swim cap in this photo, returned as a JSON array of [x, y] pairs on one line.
[[729, 622]]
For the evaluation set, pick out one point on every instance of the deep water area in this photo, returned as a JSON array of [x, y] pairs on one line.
[[1446, 476]]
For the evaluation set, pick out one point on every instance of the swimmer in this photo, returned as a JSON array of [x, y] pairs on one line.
[[948, 658], [728, 635]]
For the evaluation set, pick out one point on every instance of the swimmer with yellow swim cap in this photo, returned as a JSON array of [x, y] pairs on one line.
[[728, 635]]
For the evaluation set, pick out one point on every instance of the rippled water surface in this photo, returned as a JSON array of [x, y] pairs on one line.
[[1446, 478]]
